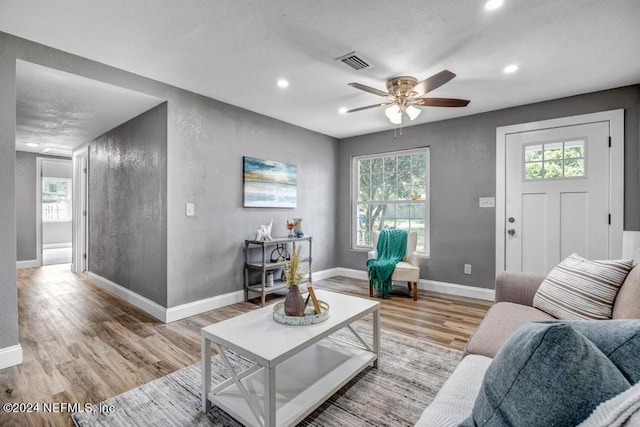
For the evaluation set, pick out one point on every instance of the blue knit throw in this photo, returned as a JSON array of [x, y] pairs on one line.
[[392, 245]]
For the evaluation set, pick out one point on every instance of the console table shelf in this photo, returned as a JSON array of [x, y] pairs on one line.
[[263, 264]]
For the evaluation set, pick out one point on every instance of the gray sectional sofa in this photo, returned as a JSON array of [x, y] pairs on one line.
[[513, 308]]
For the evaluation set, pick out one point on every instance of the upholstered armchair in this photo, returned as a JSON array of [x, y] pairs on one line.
[[407, 270]]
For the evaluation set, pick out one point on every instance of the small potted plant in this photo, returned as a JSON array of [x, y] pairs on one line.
[[293, 274]]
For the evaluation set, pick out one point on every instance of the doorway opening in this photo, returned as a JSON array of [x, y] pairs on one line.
[[54, 210]]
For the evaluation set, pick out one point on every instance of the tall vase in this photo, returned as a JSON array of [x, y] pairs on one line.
[[294, 303]]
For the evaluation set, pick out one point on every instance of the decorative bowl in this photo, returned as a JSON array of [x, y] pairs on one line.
[[310, 317]]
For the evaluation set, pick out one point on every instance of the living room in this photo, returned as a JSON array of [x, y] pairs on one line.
[[173, 266]]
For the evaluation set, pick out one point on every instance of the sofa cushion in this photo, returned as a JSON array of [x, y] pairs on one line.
[[627, 303], [547, 374], [500, 322], [454, 401], [619, 340], [581, 289]]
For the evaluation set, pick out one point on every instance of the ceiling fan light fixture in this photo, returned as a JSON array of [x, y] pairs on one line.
[[412, 112], [394, 114]]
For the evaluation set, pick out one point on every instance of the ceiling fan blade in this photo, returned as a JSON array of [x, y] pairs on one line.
[[371, 90], [433, 82], [440, 102], [369, 106]]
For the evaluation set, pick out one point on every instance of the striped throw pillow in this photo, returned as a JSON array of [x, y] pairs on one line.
[[581, 289]]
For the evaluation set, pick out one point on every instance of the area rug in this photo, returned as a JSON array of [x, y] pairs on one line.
[[411, 373]]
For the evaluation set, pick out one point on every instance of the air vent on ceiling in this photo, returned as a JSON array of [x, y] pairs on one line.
[[354, 61]]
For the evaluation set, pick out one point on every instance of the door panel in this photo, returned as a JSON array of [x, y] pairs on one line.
[[557, 192], [574, 220]]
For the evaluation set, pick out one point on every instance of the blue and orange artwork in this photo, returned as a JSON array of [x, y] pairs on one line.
[[269, 184]]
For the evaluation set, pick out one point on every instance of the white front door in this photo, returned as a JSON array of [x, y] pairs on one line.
[[556, 196]]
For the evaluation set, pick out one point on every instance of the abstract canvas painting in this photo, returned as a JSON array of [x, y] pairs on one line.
[[269, 184]]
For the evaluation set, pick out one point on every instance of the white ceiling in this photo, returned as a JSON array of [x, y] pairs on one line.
[[236, 50], [59, 111]]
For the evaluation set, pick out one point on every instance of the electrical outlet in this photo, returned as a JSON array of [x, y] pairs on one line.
[[487, 202], [467, 269], [190, 209]]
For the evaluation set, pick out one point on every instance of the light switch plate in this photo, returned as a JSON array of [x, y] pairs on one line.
[[191, 209], [487, 202]]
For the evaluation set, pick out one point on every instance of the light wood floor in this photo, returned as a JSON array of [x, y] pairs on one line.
[[83, 345]]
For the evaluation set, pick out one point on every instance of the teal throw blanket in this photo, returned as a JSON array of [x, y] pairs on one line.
[[392, 245]]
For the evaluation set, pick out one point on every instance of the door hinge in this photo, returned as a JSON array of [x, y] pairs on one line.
[[84, 256], [609, 142], [609, 219], [84, 213], [84, 170]]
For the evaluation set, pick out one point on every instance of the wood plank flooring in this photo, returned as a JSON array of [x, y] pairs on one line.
[[84, 345]]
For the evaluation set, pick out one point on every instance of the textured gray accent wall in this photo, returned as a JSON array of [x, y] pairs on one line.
[[128, 205], [26, 244], [8, 288], [207, 140], [463, 163]]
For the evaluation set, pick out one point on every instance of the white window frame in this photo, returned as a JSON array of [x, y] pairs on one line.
[[355, 181]]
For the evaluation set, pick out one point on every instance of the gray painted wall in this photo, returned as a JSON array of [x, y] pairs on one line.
[[463, 162], [207, 140], [8, 288], [26, 245], [128, 205]]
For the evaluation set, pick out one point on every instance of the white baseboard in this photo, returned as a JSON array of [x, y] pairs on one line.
[[196, 307], [56, 245], [352, 273], [458, 290], [10, 356], [429, 285], [325, 274], [30, 263], [144, 304]]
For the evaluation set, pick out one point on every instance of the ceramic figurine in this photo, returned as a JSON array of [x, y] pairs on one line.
[[264, 232]]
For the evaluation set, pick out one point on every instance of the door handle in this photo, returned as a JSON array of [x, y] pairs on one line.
[[511, 232]]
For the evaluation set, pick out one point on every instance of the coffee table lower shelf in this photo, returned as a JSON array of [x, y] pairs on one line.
[[303, 382]]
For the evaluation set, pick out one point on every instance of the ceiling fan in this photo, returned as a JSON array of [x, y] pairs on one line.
[[404, 92]]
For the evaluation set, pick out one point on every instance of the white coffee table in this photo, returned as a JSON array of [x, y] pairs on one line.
[[297, 367]]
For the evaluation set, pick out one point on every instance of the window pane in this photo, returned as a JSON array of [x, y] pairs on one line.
[[390, 179], [376, 165], [364, 225], [533, 153], [376, 186], [533, 170], [365, 194], [404, 191], [553, 169], [418, 161], [419, 227], [553, 151], [364, 167], [404, 163], [390, 164], [574, 167], [418, 211], [573, 150]]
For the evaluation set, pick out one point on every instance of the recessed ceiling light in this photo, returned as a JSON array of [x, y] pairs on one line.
[[283, 83], [342, 110], [493, 4], [32, 144], [510, 69]]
